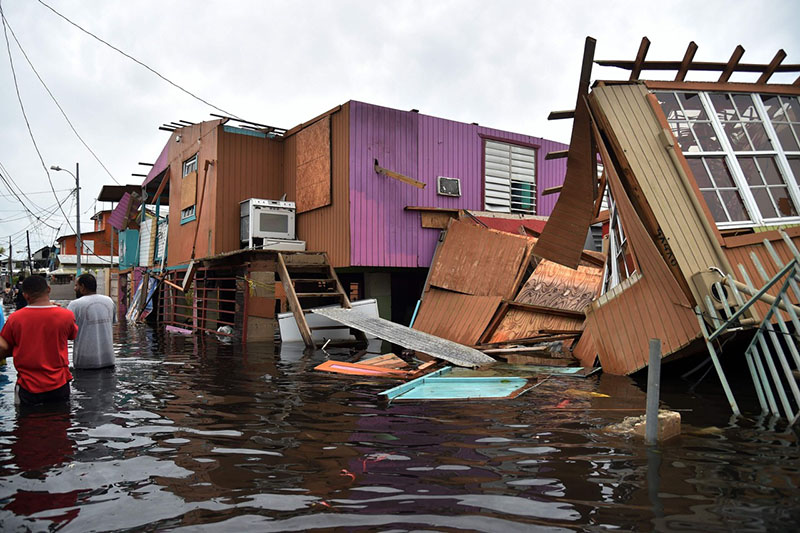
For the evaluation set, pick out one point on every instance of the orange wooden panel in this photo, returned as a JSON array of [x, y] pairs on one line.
[[585, 350], [457, 317], [188, 190], [479, 261], [262, 307], [559, 287], [313, 186]]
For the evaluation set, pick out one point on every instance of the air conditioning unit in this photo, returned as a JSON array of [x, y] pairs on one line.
[[448, 186], [265, 221]]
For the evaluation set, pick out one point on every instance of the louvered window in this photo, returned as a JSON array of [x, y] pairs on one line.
[[509, 178]]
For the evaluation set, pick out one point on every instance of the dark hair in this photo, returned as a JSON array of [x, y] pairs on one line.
[[8, 285], [34, 286], [88, 282]]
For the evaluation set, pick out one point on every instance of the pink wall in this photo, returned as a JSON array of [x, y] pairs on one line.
[[422, 147]]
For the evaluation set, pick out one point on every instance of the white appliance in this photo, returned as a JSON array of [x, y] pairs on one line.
[[291, 333], [265, 223]]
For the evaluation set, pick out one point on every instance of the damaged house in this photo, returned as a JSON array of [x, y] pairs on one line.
[[704, 206]]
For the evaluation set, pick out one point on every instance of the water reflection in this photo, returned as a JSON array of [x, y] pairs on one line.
[[189, 432]]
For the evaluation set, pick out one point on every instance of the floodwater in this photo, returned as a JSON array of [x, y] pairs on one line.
[[189, 433]]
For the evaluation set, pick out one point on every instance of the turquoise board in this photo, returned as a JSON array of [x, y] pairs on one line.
[[435, 387]]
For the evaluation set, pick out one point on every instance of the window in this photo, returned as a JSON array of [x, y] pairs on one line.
[[744, 152], [188, 189], [87, 246], [509, 178], [620, 265]]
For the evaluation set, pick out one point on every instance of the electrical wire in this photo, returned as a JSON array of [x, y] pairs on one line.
[[46, 88], [25, 115], [34, 215], [140, 63]]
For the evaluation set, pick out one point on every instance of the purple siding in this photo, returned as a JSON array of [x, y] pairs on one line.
[[159, 166], [422, 147]]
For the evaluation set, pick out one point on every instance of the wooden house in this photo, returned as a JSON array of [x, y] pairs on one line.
[[701, 176], [373, 187], [96, 245]]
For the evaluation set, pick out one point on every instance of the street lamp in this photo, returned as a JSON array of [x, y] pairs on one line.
[[78, 244]]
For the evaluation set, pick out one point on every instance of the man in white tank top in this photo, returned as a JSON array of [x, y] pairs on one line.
[[94, 314]]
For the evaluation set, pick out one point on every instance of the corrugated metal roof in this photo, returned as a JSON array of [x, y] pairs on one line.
[[404, 336]]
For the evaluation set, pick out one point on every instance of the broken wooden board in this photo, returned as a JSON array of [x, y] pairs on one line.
[[406, 337], [360, 369], [437, 312], [559, 287]]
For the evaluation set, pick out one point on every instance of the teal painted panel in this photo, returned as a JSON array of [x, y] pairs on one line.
[[242, 131], [463, 388]]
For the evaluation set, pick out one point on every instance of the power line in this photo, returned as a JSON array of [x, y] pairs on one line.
[[34, 215], [25, 115], [140, 63], [32, 193], [46, 88]]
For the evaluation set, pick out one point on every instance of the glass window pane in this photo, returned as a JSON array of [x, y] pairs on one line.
[[764, 202], [773, 106], [759, 136], [737, 137], [707, 137], [700, 174], [723, 106], [715, 206], [750, 171], [769, 169], [794, 164], [734, 204], [669, 104], [786, 137], [744, 103], [693, 106], [683, 133], [792, 106], [719, 171], [784, 202]]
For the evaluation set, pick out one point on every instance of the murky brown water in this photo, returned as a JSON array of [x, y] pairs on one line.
[[189, 433]]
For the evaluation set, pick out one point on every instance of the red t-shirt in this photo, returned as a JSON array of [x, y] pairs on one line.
[[38, 336]]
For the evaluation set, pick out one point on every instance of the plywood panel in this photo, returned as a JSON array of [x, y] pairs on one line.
[[188, 190], [479, 261], [313, 159], [559, 287], [524, 323], [437, 317]]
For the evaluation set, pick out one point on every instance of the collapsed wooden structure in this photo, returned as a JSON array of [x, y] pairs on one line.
[[699, 178]]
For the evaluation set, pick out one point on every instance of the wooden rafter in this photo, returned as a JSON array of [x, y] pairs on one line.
[[644, 46], [687, 60], [732, 64], [775, 63]]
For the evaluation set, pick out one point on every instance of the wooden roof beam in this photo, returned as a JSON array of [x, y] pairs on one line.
[[558, 115], [556, 154], [773, 65], [733, 62], [687, 60], [644, 46]]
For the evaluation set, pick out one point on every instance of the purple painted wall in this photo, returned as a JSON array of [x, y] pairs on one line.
[[422, 147]]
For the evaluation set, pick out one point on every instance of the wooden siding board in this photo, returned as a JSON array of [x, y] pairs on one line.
[[559, 287], [525, 323], [437, 317]]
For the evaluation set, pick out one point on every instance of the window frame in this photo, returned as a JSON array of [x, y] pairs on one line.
[[512, 199]]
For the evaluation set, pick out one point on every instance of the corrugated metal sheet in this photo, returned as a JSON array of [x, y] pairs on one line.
[[327, 228], [436, 316], [407, 337], [126, 206], [162, 162], [421, 147], [479, 261]]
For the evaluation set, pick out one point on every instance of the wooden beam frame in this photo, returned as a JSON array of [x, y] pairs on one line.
[[396, 175], [774, 64], [687, 60], [556, 154], [644, 46], [559, 115], [733, 62]]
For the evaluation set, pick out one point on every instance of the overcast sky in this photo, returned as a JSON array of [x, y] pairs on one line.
[[503, 64]]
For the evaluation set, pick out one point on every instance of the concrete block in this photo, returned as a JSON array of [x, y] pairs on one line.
[[669, 425]]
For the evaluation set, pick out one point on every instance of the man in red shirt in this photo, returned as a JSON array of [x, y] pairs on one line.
[[38, 335]]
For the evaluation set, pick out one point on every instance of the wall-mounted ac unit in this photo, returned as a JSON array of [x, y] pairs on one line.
[[448, 186]]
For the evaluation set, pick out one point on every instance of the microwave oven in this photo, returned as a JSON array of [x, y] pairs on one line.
[[262, 220]]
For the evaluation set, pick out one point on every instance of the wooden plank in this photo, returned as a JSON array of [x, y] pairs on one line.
[[564, 235], [396, 175], [434, 220], [773, 65], [730, 67], [556, 154], [708, 66], [558, 287], [188, 189], [294, 304], [560, 115], [437, 315], [687, 60], [759, 237], [644, 46], [713, 86], [519, 322]]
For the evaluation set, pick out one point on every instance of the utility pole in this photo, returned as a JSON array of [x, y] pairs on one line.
[[10, 264], [30, 263], [79, 246]]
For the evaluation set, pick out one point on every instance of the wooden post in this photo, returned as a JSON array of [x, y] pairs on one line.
[[294, 304], [653, 388]]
